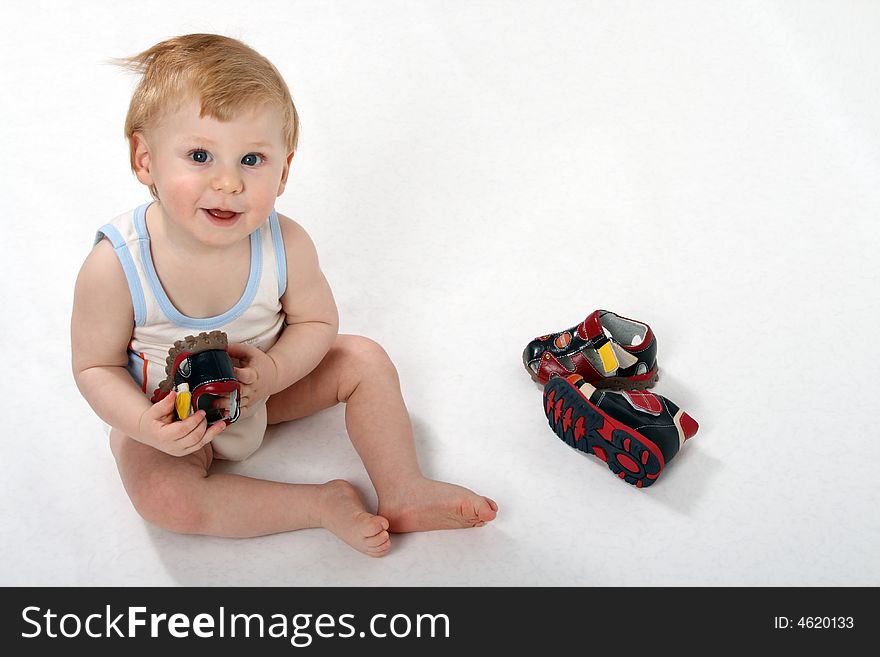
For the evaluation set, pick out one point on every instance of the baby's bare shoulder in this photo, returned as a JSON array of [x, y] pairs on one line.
[[102, 269], [103, 313], [298, 245], [101, 291], [295, 236]]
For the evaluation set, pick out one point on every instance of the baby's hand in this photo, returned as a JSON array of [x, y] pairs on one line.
[[256, 375], [159, 429]]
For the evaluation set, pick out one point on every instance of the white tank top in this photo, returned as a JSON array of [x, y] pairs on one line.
[[256, 318]]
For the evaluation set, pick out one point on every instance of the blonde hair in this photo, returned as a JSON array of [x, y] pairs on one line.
[[223, 74]]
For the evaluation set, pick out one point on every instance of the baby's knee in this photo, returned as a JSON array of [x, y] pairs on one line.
[[362, 359], [170, 503], [365, 355]]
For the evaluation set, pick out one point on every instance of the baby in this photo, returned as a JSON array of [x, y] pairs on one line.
[[212, 130]]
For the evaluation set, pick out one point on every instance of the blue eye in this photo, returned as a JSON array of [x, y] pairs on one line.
[[251, 159], [199, 156]]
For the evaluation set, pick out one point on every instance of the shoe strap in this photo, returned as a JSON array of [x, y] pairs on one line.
[[591, 327], [591, 330]]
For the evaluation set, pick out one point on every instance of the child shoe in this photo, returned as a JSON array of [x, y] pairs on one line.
[[607, 350], [635, 432], [199, 370]]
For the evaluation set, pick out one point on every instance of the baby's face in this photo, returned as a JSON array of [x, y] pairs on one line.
[[217, 180]]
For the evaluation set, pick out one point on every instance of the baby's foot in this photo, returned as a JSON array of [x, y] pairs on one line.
[[345, 515], [425, 504]]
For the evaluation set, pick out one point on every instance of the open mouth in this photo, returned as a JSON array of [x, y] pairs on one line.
[[222, 216]]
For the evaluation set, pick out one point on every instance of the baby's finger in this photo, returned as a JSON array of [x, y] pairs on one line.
[[192, 437], [187, 426], [245, 375], [205, 438], [240, 351], [164, 406]]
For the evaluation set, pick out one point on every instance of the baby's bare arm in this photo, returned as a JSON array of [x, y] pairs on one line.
[[312, 319], [100, 330]]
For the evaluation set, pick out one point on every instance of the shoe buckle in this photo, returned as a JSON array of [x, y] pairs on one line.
[[609, 359]]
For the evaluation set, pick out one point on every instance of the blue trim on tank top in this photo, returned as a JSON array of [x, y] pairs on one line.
[[172, 313], [280, 255], [131, 275]]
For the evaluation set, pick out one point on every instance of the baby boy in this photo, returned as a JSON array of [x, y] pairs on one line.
[[212, 130]]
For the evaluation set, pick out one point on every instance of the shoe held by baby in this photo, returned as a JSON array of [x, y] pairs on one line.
[[200, 371]]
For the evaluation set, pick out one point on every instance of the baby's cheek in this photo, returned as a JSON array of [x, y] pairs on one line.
[[181, 193]]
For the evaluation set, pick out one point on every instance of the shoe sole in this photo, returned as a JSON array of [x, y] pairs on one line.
[[582, 425], [638, 382]]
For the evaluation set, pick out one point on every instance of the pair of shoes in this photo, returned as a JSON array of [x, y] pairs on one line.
[[595, 375], [607, 350]]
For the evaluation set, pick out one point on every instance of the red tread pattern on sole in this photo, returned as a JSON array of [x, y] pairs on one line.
[[566, 421], [550, 399], [628, 463], [626, 457]]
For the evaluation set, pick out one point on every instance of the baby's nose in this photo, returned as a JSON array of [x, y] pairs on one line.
[[226, 181]]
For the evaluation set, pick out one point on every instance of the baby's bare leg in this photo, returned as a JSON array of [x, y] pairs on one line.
[[357, 371], [180, 494]]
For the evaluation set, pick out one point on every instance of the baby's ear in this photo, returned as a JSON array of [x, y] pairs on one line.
[[140, 158], [285, 173]]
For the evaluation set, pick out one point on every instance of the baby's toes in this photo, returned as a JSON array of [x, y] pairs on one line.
[[380, 550], [477, 511], [377, 539], [372, 525], [486, 509]]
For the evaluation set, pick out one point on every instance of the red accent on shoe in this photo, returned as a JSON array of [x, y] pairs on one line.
[[591, 327], [550, 365], [550, 399], [626, 443], [621, 474], [183, 355], [566, 421], [642, 377], [159, 395], [643, 400], [688, 425], [639, 483], [585, 368], [644, 344], [609, 424], [558, 410], [628, 463], [579, 430]]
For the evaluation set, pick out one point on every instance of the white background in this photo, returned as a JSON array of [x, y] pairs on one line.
[[476, 174]]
